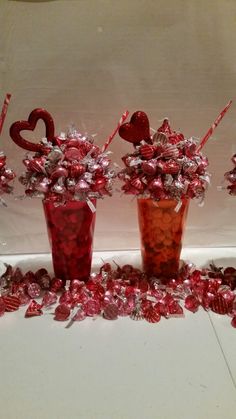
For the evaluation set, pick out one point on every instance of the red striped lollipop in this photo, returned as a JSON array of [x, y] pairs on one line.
[[213, 127], [4, 110], [110, 138]]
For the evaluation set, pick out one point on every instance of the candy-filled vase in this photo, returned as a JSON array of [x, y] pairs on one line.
[[70, 231], [161, 229]]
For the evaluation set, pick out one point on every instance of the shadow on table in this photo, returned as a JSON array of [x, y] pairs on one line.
[[30, 264], [221, 262]]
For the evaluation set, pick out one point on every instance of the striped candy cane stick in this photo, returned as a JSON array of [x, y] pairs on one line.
[[213, 127], [110, 138], [4, 110]]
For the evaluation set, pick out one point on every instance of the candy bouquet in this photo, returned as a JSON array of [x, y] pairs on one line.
[[69, 172], [230, 177], [6, 175], [164, 172]]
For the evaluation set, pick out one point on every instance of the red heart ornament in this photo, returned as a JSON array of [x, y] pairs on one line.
[[137, 129], [30, 125]]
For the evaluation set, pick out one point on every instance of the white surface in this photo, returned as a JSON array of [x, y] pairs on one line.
[[176, 369], [87, 61]]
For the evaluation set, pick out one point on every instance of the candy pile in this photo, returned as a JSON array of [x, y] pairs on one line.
[[123, 291], [6, 177], [231, 177], [164, 165], [69, 168]]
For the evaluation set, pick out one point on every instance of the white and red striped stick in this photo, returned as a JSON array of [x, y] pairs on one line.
[[4, 110], [213, 127], [110, 138]]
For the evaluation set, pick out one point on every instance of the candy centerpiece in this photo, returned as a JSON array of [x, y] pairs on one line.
[[163, 166], [231, 177], [165, 171], [64, 168], [70, 173], [6, 177], [6, 174]]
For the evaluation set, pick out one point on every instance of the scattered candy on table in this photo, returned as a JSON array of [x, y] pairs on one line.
[[120, 291]]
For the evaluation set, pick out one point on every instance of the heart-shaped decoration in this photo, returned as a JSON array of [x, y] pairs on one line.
[[137, 129], [35, 115]]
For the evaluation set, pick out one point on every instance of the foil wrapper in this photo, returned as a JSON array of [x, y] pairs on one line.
[[71, 167], [164, 166]]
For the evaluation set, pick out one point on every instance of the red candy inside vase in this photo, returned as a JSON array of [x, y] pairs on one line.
[[70, 230]]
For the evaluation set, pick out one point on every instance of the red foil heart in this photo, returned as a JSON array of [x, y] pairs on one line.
[[35, 115], [137, 129]]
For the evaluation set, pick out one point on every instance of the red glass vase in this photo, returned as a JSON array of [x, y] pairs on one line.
[[161, 229], [70, 231]]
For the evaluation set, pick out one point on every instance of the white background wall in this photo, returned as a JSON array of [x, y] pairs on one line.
[[86, 61]]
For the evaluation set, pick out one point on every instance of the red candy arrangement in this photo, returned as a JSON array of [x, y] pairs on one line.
[[64, 168], [123, 291], [6, 174], [70, 173], [164, 165], [231, 177], [6, 177], [164, 172]]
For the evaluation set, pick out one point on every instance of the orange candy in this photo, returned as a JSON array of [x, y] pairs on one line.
[[161, 229]]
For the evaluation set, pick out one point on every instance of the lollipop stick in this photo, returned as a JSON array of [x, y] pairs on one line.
[[4, 110], [110, 138], [213, 127]]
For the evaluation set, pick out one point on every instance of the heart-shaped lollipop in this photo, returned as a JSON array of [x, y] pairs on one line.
[[137, 129], [35, 115]]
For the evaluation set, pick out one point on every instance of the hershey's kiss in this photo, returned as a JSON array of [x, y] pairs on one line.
[[230, 176], [149, 167], [59, 172], [155, 184], [82, 186], [37, 165], [73, 153], [99, 184], [234, 159], [77, 170]]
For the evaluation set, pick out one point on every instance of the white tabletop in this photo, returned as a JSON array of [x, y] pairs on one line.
[[99, 369]]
